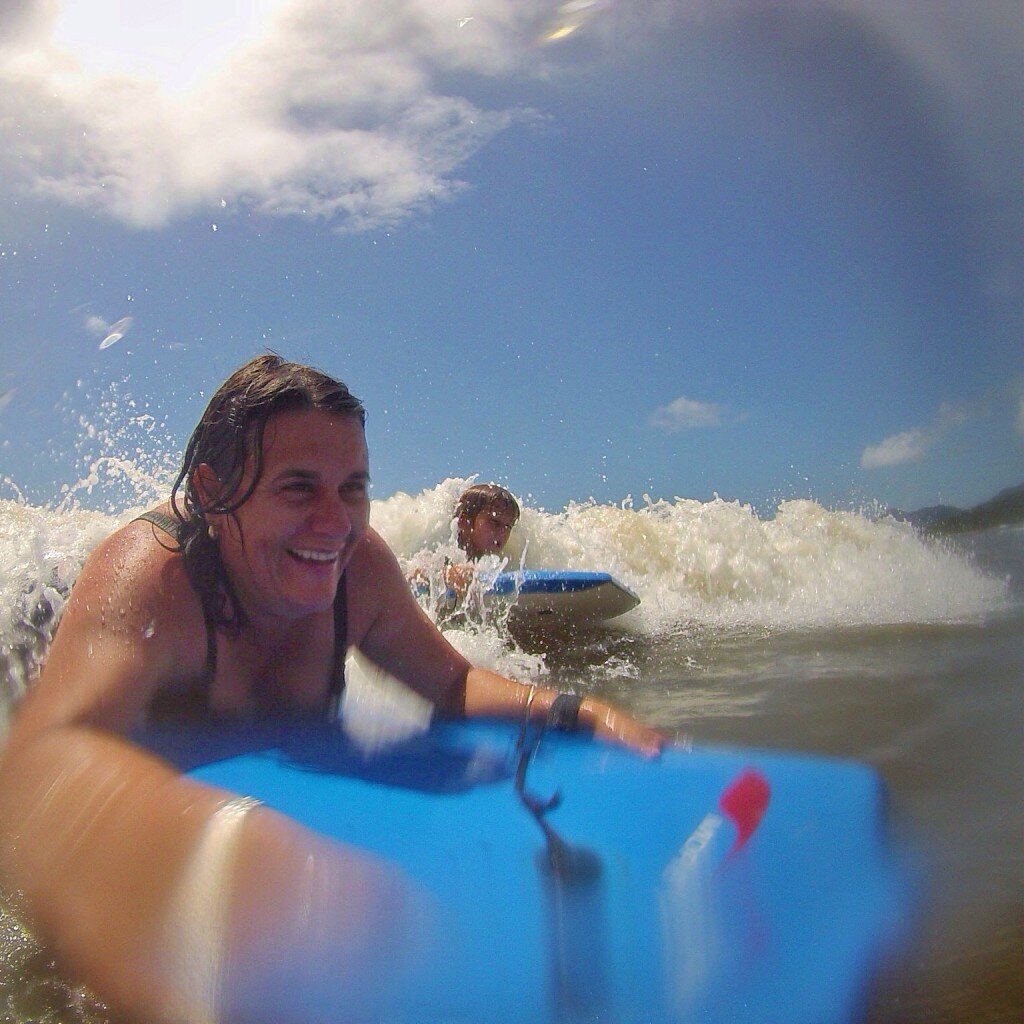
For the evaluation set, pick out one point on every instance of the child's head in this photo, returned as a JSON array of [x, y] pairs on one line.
[[485, 514]]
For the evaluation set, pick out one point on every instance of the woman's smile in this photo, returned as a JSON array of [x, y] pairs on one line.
[[320, 557], [290, 541]]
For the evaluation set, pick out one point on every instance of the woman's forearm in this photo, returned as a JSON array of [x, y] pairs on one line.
[[489, 695], [169, 898]]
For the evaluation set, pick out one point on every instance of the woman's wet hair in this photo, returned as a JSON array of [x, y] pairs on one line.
[[229, 439]]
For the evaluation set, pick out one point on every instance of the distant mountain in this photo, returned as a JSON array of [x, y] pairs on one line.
[[929, 518], [1005, 508]]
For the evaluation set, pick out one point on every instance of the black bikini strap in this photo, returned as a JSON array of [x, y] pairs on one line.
[[337, 686], [173, 526], [166, 523]]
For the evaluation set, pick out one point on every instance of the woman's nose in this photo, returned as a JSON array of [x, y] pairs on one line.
[[331, 516]]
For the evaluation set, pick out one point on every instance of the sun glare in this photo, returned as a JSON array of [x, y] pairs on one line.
[[177, 42]]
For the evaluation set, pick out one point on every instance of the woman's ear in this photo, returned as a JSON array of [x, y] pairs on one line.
[[208, 488], [206, 484]]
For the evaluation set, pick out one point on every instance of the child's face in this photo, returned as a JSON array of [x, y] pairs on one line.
[[489, 531]]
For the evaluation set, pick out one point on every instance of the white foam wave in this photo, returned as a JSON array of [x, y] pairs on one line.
[[707, 565], [717, 563], [41, 552]]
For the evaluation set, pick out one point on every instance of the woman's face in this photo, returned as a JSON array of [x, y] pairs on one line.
[[287, 546]]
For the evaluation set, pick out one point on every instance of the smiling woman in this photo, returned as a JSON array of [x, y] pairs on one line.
[[286, 547], [238, 599], [611, 270]]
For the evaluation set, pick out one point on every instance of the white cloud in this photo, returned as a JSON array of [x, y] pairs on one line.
[[913, 445], [910, 446], [686, 414], [309, 108], [348, 111]]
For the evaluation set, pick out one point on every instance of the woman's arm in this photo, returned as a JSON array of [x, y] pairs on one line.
[[398, 636], [176, 902], [487, 694], [165, 896]]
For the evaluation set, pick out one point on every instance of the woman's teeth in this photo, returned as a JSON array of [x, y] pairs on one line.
[[313, 556]]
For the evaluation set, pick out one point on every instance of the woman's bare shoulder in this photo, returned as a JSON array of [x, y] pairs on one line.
[[132, 624], [135, 583], [374, 568], [137, 561], [376, 584]]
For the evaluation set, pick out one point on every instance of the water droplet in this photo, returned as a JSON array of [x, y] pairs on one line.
[[116, 332]]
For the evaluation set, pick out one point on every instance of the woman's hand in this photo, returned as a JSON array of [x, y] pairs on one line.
[[612, 724]]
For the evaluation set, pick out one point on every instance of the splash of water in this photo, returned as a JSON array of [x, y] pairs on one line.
[[718, 564], [125, 462], [41, 551], [696, 565], [125, 456]]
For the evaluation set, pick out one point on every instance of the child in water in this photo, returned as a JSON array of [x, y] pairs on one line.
[[485, 514]]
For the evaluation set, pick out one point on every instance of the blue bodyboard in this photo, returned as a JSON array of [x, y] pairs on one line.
[[564, 595], [654, 921]]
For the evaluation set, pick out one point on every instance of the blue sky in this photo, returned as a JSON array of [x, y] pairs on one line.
[[591, 249]]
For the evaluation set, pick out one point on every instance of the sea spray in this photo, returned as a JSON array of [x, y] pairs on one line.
[[41, 552], [718, 565], [124, 455], [418, 525], [700, 568], [125, 461]]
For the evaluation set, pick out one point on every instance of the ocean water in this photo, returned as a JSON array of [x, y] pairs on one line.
[[809, 629]]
